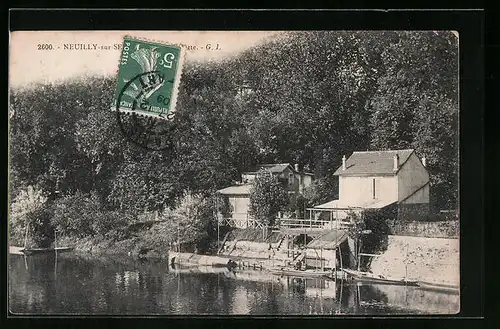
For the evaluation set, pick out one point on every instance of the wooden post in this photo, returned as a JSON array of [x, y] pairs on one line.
[[341, 266], [55, 250], [216, 215], [26, 235], [218, 237], [406, 263], [358, 250], [321, 259], [178, 242]]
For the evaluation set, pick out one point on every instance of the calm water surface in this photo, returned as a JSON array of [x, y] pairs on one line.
[[75, 284]]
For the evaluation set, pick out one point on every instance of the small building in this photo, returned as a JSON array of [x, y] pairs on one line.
[[294, 180], [394, 179]]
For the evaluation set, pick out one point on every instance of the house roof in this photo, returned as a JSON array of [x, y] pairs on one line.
[[341, 204], [236, 190], [276, 168], [373, 162], [329, 240]]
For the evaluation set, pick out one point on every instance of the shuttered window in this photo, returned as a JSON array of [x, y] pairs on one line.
[[373, 188]]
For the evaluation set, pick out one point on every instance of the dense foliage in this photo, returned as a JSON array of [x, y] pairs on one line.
[[268, 197], [30, 215], [311, 97]]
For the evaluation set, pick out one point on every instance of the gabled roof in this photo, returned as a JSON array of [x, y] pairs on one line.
[[274, 167], [345, 205], [236, 190], [373, 162]]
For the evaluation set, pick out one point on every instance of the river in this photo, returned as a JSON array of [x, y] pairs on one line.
[[80, 285]]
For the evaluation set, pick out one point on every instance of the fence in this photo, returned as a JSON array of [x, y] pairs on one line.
[[312, 223], [241, 221], [249, 222]]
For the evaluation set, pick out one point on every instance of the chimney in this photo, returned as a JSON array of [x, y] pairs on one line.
[[424, 161], [343, 162], [396, 162], [297, 167]]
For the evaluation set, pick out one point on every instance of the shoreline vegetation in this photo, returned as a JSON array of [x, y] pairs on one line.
[[73, 172]]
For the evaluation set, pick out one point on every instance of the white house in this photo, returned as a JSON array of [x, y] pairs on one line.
[[377, 179]]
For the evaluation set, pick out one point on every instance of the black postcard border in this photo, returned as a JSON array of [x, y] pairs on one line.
[[469, 24]]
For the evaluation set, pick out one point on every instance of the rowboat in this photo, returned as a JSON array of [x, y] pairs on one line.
[[35, 251], [190, 259], [441, 287], [299, 273], [370, 277]]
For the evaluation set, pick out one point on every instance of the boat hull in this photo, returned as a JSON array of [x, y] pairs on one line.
[[188, 259], [445, 288], [371, 278], [302, 274], [36, 251]]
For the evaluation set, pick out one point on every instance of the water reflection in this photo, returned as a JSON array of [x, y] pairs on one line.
[[84, 285]]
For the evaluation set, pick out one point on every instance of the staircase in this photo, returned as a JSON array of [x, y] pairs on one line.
[[221, 247], [280, 243]]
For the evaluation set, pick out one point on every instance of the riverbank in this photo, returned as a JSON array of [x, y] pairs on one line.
[[135, 247], [428, 259]]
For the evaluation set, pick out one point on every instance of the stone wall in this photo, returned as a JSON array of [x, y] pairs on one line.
[[440, 229], [427, 259]]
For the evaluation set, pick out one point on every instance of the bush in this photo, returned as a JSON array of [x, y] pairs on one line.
[[81, 215], [374, 242], [194, 218], [296, 205], [112, 225], [75, 215], [31, 209]]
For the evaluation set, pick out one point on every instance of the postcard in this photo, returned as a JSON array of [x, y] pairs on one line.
[[233, 173]]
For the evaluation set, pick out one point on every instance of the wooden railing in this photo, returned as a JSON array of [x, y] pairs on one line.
[[248, 222], [245, 222], [312, 223]]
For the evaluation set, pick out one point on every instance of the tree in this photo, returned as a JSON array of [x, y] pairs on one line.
[[74, 215], [416, 106], [321, 190], [195, 220], [30, 214], [268, 197]]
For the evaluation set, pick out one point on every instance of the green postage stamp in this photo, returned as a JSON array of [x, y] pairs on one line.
[[148, 78]]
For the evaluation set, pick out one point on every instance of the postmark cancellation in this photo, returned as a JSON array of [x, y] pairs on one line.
[[148, 78]]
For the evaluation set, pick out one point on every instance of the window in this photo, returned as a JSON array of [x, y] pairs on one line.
[[373, 187]]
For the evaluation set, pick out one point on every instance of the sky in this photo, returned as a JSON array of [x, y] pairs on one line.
[[31, 62]]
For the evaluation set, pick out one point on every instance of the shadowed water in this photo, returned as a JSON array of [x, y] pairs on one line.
[[120, 285]]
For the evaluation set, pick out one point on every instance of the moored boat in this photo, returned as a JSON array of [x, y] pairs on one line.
[[441, 287], [190, 259], [34, 251], [299, 273], [370, 277]]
